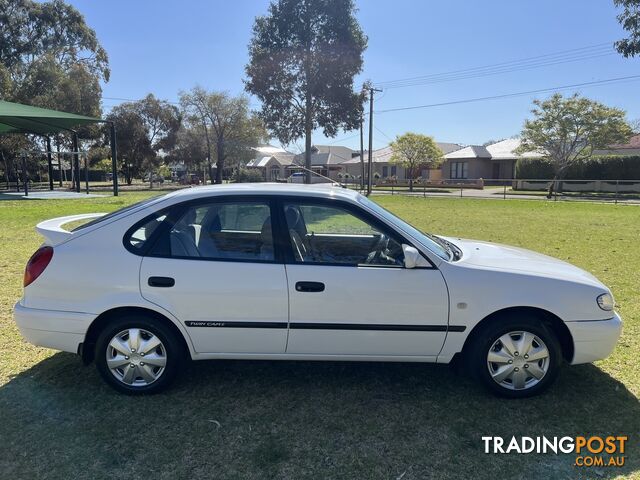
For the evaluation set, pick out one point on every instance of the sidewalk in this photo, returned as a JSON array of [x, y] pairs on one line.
[[46, 195]]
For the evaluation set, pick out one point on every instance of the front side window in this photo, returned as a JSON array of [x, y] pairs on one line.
[[221, 231], [323, 234], [429, 241]]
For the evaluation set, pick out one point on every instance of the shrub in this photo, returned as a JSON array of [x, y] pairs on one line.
[[606, 167], [247, 175]]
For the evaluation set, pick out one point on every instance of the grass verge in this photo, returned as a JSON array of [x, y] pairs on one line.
[[256, 420]]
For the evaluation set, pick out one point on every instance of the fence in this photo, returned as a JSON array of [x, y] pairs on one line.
[[623, 191], [46, 170]]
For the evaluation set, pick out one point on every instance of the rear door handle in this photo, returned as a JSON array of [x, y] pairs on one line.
[[161, 282], [309, 287]]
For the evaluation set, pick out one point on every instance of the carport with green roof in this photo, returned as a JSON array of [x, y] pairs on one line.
[[25, 119]]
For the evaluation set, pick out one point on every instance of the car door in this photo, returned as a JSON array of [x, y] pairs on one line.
[[349, 292], [215, 268]]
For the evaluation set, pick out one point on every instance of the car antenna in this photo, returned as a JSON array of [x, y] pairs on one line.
[[320, 175]]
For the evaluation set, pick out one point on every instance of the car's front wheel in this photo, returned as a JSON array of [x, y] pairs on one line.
[[136, 355], [515, 357]]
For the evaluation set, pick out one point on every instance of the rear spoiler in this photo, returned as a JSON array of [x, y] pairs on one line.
[[52, 229]]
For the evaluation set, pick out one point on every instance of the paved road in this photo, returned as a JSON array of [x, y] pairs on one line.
[[45, 195]]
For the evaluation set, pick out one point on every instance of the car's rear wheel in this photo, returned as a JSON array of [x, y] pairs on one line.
[[136, 354], [515, 356]]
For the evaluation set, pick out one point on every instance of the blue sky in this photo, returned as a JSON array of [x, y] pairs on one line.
[[162, 47]]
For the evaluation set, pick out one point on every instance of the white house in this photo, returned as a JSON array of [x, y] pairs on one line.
[[272, 162]]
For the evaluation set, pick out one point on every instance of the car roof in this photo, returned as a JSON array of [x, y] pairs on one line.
[[316, 190]]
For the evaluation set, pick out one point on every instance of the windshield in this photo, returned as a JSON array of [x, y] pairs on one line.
[[433, 243]]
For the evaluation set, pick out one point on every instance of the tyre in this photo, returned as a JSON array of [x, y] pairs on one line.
[[515, 356], [138, 355]]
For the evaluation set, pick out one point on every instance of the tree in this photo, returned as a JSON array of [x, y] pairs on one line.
[[145, 128], [629, 18], [568, 130], [413, 150], [229, 128], [50, 57], [190, 149], [303, 58]]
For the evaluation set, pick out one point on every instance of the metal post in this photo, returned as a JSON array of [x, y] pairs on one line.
[[370, 168], [114, 159], [616, 197], [59, 161], [49, 164], [86, 174], [362, 153], [369, 160], [76, 162], [25, 179], [504, 193]]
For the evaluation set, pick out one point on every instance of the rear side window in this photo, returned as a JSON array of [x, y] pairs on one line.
[[215, 231], [117, 212], [138, 239]]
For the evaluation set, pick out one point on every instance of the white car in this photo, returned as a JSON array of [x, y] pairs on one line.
[[299, 272]]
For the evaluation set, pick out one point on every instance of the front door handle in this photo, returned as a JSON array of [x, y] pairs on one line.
[[161, 282], [309, 287]]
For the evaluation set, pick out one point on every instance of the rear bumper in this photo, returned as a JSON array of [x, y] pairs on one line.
[[594, 340], [52, 328]]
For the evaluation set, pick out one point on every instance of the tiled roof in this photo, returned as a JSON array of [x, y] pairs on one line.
[[326, 155], [383, 155], [472, 151], [505, 150], [634, 142]]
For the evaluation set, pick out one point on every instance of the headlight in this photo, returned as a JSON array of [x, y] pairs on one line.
[[606, 302]]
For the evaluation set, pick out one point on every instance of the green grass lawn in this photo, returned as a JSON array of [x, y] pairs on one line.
[[257, 420]]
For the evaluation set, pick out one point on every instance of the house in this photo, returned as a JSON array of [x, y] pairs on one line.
[[272, 162], [382, 166], [327, 160], [493, 161], [631, 148]]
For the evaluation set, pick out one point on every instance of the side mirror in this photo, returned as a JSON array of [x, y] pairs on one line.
[[411, 256]]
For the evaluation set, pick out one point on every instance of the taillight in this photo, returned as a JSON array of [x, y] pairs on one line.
[[37, 263]]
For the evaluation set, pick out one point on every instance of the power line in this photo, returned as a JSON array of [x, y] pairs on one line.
[[500, 64], [498, 71], [384, 134], [120, 99], [516, 94], [344, 139], [565, 56]]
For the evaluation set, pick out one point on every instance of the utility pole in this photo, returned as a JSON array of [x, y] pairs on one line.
[[362, 153], [370, 169]]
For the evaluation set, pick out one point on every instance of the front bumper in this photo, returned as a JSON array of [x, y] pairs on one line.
[[52, 328], [594, 340]]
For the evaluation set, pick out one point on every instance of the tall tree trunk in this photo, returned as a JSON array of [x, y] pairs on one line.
[[556, 183], [209, 168], [220, 159], [410, 179], [308, 123]]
